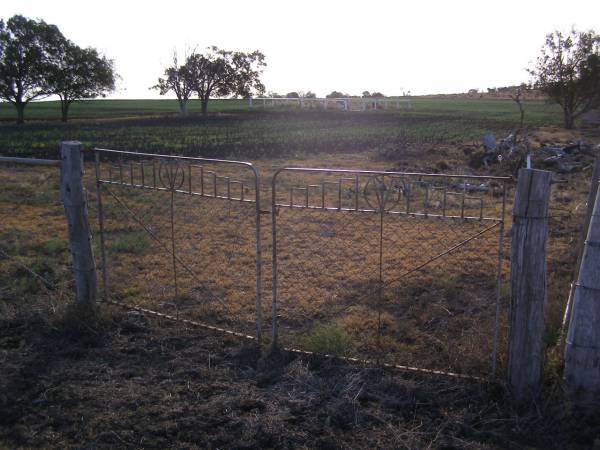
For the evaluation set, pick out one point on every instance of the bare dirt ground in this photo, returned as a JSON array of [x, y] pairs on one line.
[[125, 381]]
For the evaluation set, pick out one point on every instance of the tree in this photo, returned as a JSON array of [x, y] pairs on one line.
[[568, 71], [377, 95], [366, 94], [292, 95], [80, 74], [225, 73], [310, 94], [336, 94], [178, 79], [29, 51]]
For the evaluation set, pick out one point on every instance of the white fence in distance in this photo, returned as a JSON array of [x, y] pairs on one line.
[[342, 104]]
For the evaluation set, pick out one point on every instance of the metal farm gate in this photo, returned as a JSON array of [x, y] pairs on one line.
[[181, 237], [403, 269]]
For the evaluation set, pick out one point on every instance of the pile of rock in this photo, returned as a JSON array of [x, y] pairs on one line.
[[515, 152]]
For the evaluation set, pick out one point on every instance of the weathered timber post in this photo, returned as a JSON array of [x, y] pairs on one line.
[[582, 349], [591, 201], [73, 196], [528, 282]]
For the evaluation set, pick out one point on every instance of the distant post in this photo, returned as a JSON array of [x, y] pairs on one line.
[[582, 350], [73, 196], [528, 282]]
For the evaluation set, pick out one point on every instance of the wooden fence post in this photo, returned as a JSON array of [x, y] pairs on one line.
[[582, 349], [591, 201], [528, 282], [73, 196]]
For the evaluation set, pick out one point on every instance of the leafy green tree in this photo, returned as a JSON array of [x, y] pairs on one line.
[[366, 94], [310, 94], [377, 95], [224, 73], [80, 74], [29, 52], [177, 78], [568, 71], [336, 94], [292, 95]]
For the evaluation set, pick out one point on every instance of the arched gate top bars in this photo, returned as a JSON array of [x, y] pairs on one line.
[[373, 173]]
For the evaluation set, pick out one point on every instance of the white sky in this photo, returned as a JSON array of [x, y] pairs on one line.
[[423, 46]]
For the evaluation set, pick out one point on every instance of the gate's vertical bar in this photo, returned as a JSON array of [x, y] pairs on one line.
[[499, 282], [380, 290], [258, 256], [101, 225], [274, 257], [173, 254]]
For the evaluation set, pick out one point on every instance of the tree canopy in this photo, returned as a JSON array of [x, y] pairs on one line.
[[177, 78], [29, 51], [216, 73], [37, 61], [568, 71], [336, 94], [80, 74]]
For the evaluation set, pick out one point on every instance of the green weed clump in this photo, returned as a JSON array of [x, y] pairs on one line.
[[135, 242], [328, 339]]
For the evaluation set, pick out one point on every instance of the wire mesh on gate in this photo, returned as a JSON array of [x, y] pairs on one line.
[[398, 267], [179, 236]]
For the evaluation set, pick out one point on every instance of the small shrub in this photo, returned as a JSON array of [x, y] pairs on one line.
[[443, 166], [328, 339]]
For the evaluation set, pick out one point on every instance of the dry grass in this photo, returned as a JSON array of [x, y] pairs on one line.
[[440, 317], [137, 385]]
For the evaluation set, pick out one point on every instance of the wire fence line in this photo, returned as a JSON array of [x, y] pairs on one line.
[[401, 269], [34, 245]]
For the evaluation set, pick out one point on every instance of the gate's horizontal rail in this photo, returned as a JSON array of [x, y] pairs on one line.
[[181, 158], [392, 213], [391, 173], [30, 161]]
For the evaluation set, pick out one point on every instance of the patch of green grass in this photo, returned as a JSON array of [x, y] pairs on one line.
[[136, 242], [41, 191], [448, 284], [328, 339], [54, 247]]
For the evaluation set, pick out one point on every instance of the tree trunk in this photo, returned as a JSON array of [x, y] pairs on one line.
[[569, 119], [204, 102], [183, 106], [20, 113], [64, 109]]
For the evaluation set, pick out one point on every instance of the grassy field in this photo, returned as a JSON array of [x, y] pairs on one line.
[[155, 126]]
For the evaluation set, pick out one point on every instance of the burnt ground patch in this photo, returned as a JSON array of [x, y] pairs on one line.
[[129, 381]]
